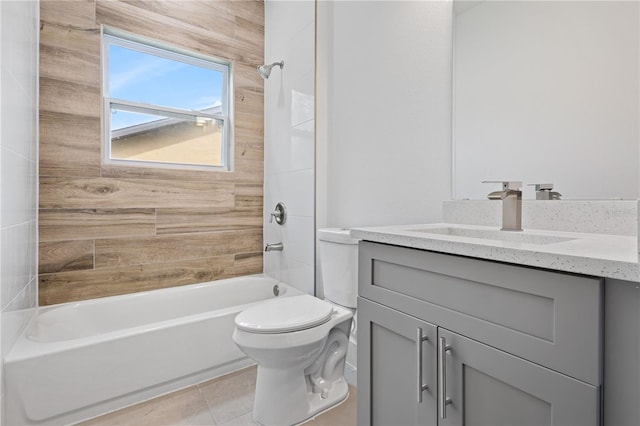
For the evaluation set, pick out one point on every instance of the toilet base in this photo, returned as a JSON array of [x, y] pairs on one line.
[[340, 392], [284, 398]]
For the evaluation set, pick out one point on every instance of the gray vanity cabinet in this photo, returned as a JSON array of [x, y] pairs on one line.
[[399, 352], [512, 345], [491, 387]]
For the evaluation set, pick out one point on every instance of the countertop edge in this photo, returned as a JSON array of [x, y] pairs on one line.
[[547, 259]]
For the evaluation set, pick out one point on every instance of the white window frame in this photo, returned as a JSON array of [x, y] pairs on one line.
[[120, 38]]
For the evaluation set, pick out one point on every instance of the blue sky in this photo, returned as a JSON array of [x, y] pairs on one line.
[[141, 77]]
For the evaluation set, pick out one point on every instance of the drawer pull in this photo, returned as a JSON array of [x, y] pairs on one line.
[[442, 377], [419, 339]]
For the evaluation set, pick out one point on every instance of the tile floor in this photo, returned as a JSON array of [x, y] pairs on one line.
[[224, 401]]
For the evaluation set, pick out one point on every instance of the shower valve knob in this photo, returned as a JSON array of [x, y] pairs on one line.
[[280, 214]]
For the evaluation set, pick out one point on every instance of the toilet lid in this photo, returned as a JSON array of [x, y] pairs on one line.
[[284, 315]]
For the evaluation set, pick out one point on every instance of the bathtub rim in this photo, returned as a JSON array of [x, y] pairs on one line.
[[26, 348]]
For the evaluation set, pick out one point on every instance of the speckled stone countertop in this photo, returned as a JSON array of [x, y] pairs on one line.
[[615, 217], [602, 255]]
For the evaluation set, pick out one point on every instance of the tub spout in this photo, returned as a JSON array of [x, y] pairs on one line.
[[274, 247]]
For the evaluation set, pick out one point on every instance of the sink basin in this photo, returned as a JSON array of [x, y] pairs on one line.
[[490, 234]]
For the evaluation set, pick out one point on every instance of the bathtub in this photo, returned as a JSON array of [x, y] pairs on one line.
[[79, 360]]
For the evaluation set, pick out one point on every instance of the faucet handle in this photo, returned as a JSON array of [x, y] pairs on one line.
[[507, 185], [544, 191], [279, 213], [542, 186]]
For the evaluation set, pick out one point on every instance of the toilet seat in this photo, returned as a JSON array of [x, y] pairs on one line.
[[284, 315]]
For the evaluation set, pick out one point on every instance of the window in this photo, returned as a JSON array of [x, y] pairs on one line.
[[164, 107]]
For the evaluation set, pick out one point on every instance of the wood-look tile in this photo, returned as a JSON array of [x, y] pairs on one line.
[[243, 420], [250, 31], [80, 285], [69, 145], [241, 173], [60, 256], [71, 65], [79, 224], [117, 171], [249, 100], [74, 180], [132, 193], [245, 75], [77, 13], [248, 263], [224, 401], [70, 98], [132, 251], [231, 396], [197, 13], [249, 151], [252, 7], [251, 10], [244, 164], [245, 137], [251, 122], [189, 220], [84, 39], [249, 196], [175, 32], [183, 407]]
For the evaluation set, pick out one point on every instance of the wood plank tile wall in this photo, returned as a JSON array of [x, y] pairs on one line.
[[108, 230]]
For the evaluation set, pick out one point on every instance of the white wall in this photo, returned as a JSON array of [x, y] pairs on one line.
[[289, 140], [18, 167], [384, 120], [548, 92]]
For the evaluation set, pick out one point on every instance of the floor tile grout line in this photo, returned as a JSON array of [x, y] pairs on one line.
[[206, 403], [235, 377]]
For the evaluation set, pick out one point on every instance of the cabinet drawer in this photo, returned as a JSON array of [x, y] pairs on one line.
[[553, 319]]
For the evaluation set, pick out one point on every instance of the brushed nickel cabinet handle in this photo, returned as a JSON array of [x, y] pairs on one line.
[[419, 339], [442, 376]]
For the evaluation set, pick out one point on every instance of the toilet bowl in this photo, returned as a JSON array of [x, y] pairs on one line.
[[300, 344]]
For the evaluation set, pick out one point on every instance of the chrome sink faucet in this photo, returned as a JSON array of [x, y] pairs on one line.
[[511, 197]]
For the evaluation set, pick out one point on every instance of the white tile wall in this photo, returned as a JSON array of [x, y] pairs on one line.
[[18, 169], [384, 72], [383, 151], [302, 150], [289, 140]]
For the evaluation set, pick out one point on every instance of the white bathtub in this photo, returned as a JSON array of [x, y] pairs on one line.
[[79, 360]]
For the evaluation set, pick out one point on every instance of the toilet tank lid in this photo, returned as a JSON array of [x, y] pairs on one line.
[[336, 235]]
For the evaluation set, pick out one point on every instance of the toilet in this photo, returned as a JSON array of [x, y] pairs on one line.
[[300, 343]]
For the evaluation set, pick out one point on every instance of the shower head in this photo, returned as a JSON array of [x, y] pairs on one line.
[[265, 70]]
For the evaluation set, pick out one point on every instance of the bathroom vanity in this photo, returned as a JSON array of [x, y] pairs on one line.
[[464, 324]]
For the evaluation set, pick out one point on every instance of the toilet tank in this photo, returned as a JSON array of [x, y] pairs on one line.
[[339, 263]]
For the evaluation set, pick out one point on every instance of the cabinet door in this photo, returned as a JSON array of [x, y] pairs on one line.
[[489, 387], [396, 357]]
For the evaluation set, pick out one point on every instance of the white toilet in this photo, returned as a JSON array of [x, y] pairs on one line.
[[300, 342]]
